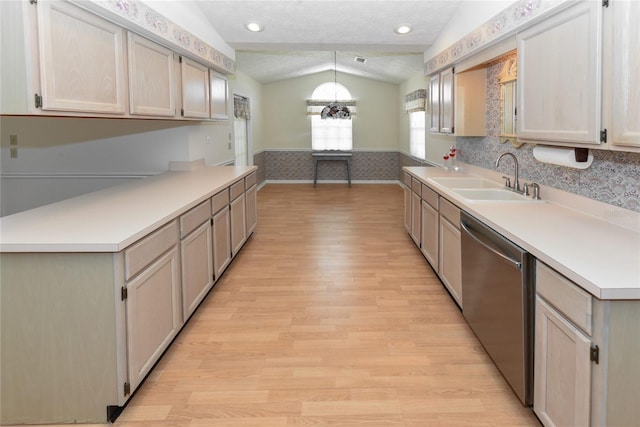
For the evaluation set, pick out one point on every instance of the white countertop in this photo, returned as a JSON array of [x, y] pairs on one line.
[[600, 256], [112, 219]]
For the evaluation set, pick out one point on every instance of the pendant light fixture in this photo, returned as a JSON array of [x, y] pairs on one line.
[[335, 110]]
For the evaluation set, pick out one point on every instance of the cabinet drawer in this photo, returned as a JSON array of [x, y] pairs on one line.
[[407, 180], [573, 302], [145, 250], [416, 186], [250, 180], [430, 196], [193, 218], [220, 200], [450, 211], [237, 189]]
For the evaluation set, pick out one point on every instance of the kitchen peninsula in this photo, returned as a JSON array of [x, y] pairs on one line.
[[95, 288]]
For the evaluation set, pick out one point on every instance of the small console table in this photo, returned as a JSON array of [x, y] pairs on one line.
[[332, 155]]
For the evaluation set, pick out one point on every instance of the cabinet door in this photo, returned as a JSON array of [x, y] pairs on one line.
[[559, 83], [221, 241], [625, 46], [238, 224], [153, 314], [252, 208], [415, 218], [195, 89], [219, 96], [151, 81], [450, 259], [446, 101], [434, 103], [81, 60], [407, 209], [430, 233], [197, 267], [562, 376]]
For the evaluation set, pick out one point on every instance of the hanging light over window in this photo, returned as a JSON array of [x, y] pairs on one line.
[[335, 110]]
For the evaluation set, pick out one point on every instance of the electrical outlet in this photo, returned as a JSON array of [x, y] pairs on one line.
[[14, 152], [207, 140], [13, 139]]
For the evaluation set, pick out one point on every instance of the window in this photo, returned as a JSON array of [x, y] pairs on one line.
[[417, 134], [331, 134]]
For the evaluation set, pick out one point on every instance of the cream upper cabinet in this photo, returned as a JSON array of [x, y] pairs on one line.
[[195, 89], [559, 77], [151, 78], [434, 103], [621, 106], [219, 96], [441, 114], [82, 61], [457, 102], [446, 101]]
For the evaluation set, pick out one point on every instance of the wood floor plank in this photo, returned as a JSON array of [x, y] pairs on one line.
[[329, 316]]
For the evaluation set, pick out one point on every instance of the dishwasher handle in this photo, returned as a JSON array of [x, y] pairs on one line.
[[491, 247]]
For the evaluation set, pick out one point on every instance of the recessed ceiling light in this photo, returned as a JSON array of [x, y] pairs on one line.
[[254, 27], [403, 29]]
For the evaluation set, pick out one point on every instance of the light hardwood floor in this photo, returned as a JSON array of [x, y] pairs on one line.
[[329, 316]]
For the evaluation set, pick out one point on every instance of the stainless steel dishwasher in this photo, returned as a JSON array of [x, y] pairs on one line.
[[498, 301]]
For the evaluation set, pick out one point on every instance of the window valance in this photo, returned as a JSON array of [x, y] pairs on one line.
[[241, 108], [315, 106], [415, 101]]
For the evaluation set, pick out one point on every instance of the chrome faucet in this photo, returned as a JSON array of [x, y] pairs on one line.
[[516, 181]]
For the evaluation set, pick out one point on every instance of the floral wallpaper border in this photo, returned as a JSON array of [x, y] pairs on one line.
[[500, 26], [142, 16]]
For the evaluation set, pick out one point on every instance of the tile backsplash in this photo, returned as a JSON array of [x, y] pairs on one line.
[[613, 178]]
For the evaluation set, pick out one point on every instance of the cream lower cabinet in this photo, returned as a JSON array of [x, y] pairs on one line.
[[587, 371], [450, 256], [430, 226], [238, 216], [407, 202], [415, 218], [154, 314], [221, 241], [251, 201], [196, 253], [435, 222], [221, 231], [563, 369]]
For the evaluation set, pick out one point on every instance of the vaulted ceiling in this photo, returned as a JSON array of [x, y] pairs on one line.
[[300, 36]]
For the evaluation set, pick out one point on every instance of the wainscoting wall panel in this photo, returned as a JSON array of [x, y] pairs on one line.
[[299, 166]]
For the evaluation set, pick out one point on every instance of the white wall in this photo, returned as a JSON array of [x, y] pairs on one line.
[[287, 126]]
